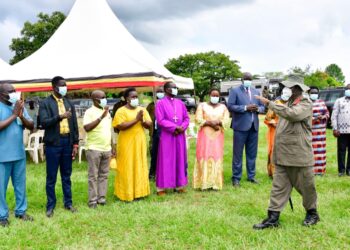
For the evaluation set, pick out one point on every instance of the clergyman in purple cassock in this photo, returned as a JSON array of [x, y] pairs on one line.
[[172, 119]]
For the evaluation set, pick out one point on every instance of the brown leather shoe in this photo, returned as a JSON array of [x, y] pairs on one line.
[[161, 193], [180, 191]]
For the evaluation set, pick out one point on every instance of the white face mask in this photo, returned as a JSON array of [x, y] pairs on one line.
[[174, 91], [14, 97], [134, 102], [347, 93], [314, 97], [103, 103], [62, 90], [160, 95], [286, 94], [214, 99]]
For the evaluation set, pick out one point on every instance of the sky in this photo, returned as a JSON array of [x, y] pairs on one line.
[[263, 35]]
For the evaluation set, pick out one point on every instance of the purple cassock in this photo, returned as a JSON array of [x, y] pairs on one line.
[[172, 152]]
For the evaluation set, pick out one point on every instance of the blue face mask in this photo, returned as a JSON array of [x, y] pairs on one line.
[[314, 97], [214, 99], [347, 93], [62, 90], [103, 103], [247, 83]]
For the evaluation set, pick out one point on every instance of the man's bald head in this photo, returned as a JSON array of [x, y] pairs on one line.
[[247, 76], [98, 94], [6, 88]]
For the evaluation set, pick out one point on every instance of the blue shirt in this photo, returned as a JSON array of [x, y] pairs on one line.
[[11, 137]]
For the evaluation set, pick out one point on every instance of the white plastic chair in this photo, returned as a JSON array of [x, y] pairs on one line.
[[191, 133], [81, 148], [35, 146]]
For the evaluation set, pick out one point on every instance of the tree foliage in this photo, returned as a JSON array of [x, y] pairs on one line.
[[321, 80], [35, 35], [206, 69], [335, 71]]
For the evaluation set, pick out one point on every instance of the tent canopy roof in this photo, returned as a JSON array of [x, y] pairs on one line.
[[92, 44]]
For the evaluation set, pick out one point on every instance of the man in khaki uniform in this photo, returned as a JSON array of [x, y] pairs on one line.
[[292, 155]]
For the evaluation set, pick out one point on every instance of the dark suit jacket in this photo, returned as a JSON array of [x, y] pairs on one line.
[[50, 121], [238, 100]]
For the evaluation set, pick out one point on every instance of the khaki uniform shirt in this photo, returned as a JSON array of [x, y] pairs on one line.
[[293, 139]]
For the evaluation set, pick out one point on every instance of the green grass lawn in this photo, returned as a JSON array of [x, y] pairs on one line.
[[195, 220]]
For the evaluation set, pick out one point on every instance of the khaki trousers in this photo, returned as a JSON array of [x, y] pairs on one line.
[[284, 179], [98, 175]]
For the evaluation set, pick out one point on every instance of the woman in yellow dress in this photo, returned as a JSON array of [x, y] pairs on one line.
[[131, 181], [212, 118]]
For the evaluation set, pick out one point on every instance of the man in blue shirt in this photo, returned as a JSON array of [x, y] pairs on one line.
[[13, 119]]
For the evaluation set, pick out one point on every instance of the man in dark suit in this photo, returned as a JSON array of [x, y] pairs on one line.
[[245, 123], [58, 118]]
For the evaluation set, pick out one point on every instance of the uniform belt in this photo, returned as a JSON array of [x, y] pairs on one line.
[[64, 135]]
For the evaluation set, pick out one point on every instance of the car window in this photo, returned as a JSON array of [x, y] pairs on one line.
[[334, 96], [324, 96]]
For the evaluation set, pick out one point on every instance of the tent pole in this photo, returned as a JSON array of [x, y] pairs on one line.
[[154, 94]]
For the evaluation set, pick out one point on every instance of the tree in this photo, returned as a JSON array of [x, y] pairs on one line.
[[335, 71], [321, 80], [35, 35], [206, 69], [274, 75], [299, 71]]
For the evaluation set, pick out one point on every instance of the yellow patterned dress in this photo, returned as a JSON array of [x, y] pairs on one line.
[[131, 181], [208, 169]]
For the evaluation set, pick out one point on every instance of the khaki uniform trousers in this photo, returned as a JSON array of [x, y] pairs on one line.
[[284, 179], [98, 175]]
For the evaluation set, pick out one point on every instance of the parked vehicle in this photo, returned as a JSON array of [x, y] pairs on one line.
[[329, 96], [189, 102]]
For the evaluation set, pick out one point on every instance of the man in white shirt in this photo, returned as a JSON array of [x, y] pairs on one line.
[[341, 130]]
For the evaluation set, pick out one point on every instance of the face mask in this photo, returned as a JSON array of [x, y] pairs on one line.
[[14, 97], [174, 91], [62, 90], [103, 103], [214, 99], [160, 95], [347, 93], [134, 102], [314, 97], [247, 83], [286, 94]]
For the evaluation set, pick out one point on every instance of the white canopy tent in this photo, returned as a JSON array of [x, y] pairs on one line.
[[91, 49], [4, 67]]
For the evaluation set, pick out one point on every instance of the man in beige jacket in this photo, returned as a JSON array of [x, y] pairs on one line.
[[292, 155]]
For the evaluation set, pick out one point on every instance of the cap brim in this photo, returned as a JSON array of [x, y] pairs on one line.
[[290, 84]]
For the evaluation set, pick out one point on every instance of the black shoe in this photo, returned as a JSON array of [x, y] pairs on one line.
[[25, 217], [101, 203], [4, 223], [253, 181], [348, 173], [49, 213], [311, 218], [341, 174], [71, 208], [92, 205], [236, 184], [271, 221]]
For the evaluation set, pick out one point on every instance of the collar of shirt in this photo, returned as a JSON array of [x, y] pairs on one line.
[[57, 99]]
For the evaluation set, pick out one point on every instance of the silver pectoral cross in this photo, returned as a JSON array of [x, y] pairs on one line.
[[175, 118]]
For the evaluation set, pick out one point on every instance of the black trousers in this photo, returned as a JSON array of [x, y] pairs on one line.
[[59, 157], [154, 152], [343, 146]]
